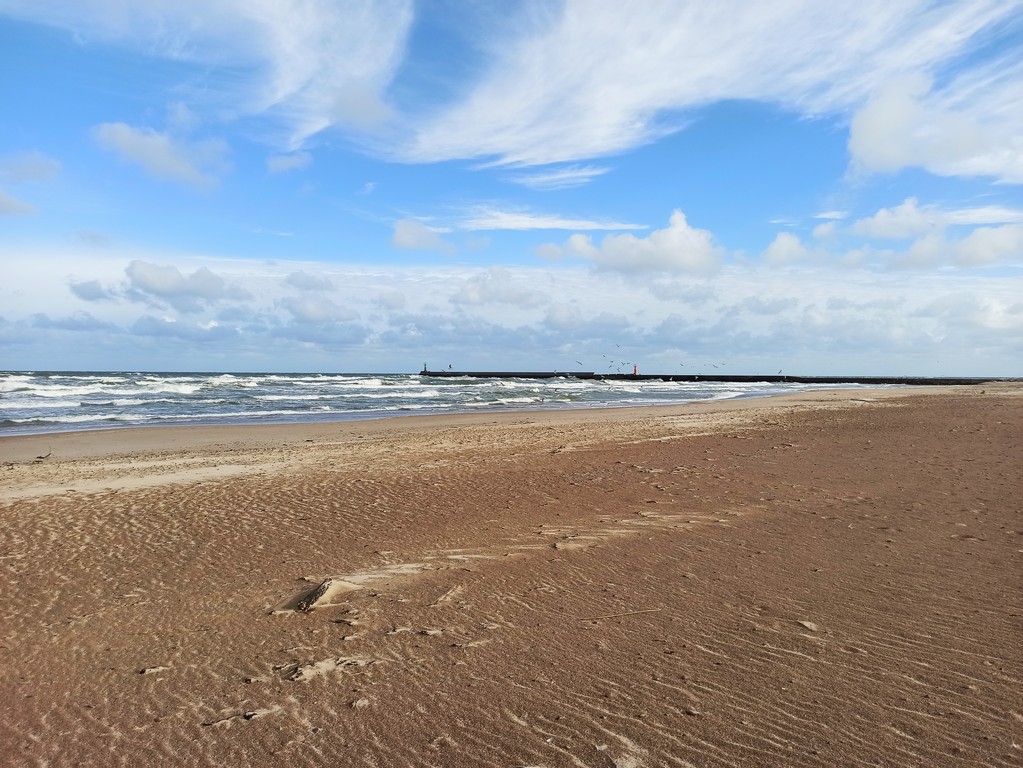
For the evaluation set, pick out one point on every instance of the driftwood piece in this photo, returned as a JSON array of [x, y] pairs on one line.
[[308, 602]]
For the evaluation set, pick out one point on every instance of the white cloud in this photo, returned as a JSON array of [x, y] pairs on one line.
[[308, 64], [181, 118], [390, 300], [317, 309], [78, 321], [190, 331], [584, 79], [164, 156], [832, 215], [757, 319], [10, 206], [678, 247], [414, 235], [485, 217], [91, 290], [982, 247], [306, 281], [825, 230], [28, 166], [971, 127], [560, 178], [904, 221], [571, 81], [991, 245], [187, 293], [989, 214], [786, 249], [498, 285], [910, 219], [291, 162]]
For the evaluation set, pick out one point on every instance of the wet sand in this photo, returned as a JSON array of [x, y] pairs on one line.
[[814, 580]]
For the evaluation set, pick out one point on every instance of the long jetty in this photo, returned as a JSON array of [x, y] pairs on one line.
[[717, 377]]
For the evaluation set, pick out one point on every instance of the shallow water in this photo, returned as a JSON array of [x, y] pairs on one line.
[[52, 401]]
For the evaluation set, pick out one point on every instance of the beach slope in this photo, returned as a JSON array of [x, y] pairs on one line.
[[825, 579]]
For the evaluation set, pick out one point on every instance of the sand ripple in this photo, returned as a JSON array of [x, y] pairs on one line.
[[796, 587]]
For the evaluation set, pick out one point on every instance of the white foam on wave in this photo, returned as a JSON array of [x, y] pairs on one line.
[[34, 403], [51, 402]]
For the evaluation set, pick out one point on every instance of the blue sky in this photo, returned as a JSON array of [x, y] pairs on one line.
[[310, 185]]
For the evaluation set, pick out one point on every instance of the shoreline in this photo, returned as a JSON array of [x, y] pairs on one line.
[[79, 443], [72, 403], [812, 579]]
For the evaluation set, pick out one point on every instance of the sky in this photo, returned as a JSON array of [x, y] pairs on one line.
[[689, 187]]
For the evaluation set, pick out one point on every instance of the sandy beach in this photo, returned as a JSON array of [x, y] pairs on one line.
[[824, 579]]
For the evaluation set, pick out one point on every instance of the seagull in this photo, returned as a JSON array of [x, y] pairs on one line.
[[577, 362]]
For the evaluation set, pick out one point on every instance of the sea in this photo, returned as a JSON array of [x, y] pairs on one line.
[[39, 402]]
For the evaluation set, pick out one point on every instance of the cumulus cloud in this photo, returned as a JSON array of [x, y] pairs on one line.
[[498, 286], [78, 321], [903, 221], [172, 328], [415, 235], [825, 230], [678, 247], [195, 162], [316, 309], [758, 305], [991, 245], [304, 281], [186, 293], [930, 229], [786, 248], [982, 247], [390, 300], [756, 318], [91, 290]]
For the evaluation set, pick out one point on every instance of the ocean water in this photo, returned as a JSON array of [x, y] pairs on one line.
[[57, 401]]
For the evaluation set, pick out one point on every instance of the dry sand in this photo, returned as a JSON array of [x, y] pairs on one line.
[[820, 580]]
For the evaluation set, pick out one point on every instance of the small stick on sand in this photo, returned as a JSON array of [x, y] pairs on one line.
[[616, 615]]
